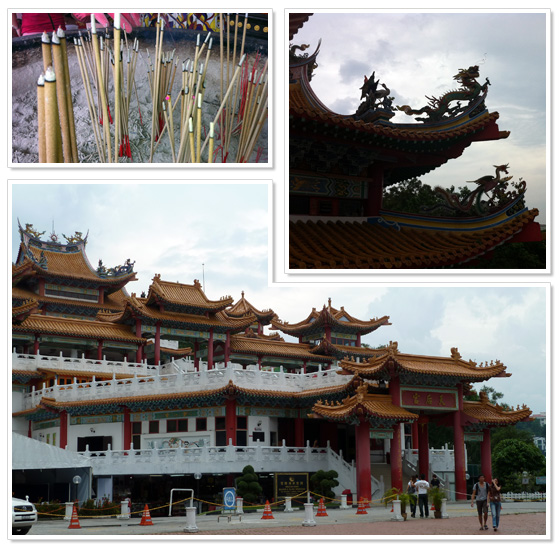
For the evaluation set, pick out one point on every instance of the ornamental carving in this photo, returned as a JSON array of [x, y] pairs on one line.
[[116, 271]]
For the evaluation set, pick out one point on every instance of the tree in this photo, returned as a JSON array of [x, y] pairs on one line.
[[512, 457], [323, 482], [248, 486]]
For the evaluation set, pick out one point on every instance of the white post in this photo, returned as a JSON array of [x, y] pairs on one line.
[[288, 505], [125, 512], [397, 516], [68, 511], [239, 505], [344, 502], [444, 514], [191, 520], [309, 521]]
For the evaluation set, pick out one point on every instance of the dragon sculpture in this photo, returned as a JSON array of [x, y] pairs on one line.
[[438, 108], [494, 184], [373, 96]]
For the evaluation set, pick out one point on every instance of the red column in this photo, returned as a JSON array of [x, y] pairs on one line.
[[363, 461], [127, 429], [423, 448], [298, 433], [211, 349], [41, 287], [459, 449], [375, 191], [396, 458], [157, 343], [100, 350], [226, 349], [196, 360], [36, 345], [231, 421], [304, 370], [358, 340], [415, 435], [486, 454], [328, 334], [139, 335], [63, 429]]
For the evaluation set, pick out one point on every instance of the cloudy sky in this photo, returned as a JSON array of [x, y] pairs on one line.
[[173, 229], [417, 54]]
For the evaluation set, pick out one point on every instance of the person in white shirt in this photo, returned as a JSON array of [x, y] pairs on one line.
[[422, 487]]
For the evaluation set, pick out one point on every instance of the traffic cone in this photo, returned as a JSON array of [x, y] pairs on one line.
[[74, 521], [433, 507], [322, 510], [361, 507], [267, 514], [392, 506], [146, 518]]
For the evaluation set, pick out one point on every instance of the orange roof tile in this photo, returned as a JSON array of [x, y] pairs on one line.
[[244, 307], [485, 412], [274, 348]]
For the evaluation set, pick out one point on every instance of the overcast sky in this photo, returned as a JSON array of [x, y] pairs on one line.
[[173, 229], [417, 54]]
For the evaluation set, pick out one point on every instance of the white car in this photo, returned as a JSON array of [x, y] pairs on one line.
[[24, 516]]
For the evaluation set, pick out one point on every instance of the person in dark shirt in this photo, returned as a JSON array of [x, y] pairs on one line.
[[481, 491]]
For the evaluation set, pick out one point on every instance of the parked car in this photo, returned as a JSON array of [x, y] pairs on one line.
[[24, 516]]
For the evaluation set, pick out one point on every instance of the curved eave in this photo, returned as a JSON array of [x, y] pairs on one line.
[[325, 318], [493, 415]]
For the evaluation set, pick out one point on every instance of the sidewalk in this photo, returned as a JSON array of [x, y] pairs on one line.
[[252, 521]]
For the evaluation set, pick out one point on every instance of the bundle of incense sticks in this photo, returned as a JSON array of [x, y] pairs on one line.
[[56, 126], [243, 106]]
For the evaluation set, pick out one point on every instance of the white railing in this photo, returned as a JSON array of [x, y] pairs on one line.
[[524, 496], [172, 381]]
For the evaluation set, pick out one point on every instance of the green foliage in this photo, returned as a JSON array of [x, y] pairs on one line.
[[511, 457], [529, 255], [436, 496], [439, 436], [323, 482], [248, 486]]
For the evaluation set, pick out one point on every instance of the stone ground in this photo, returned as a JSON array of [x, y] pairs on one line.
[[520, 519]]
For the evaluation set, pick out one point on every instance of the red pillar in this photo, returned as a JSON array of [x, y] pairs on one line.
[[375, 191], [196, 360], [363, 461], [486, 454], [227, 349], [100, 350], [298, 433], [139, 335], [396, 458], [127, 429], [423, 448], [157, 344], [415, 435], [36, 345], [63, 429], [231, 421], [328, 334], [211, 349], [459, 449]]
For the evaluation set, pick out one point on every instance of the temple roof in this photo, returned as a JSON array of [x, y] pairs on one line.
[[329, 316], [59, 261], [485, 412], [188, 298], [77, 328], [297, 21], [243, 307], [394, 360], [362, 404], [137, 308], [339, 351], [269, 347], [21, 312], [340, 244]]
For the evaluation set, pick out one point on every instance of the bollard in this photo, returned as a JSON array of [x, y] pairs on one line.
[[397, 515], [125, 510], [288, 505], [191, 520], [444, 514], [309, 521], [239, 505], [344, 502], [68, 511]]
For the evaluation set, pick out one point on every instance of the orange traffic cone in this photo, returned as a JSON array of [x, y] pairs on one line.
[[74, 521], [322, 510], [361, 507], [433, 507], [146, 518], [267, 514], [392, 507]]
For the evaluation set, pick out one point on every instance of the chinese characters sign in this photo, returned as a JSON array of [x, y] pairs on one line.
[[290, 485], [428, 398]]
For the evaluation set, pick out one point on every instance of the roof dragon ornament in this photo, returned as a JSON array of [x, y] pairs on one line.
[[440, 108]]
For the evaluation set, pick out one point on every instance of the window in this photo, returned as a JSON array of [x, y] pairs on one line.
[[258, 436], [179, 425], [153, 427], [241, 432], [201, 424], [221, 431]]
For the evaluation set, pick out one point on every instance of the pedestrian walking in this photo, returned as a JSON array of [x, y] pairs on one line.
[[411, 490], [481, 491], [495, 499], [422, 487]]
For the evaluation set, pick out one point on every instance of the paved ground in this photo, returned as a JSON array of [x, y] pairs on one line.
[[517, 519]]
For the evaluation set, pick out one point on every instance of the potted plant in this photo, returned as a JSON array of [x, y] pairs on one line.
[[393, 494], [436, 496]]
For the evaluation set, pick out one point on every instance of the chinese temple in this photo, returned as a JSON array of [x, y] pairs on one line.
[[340, 166], [173, 383]]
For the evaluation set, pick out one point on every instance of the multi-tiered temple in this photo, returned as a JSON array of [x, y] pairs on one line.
[[173, 383]]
